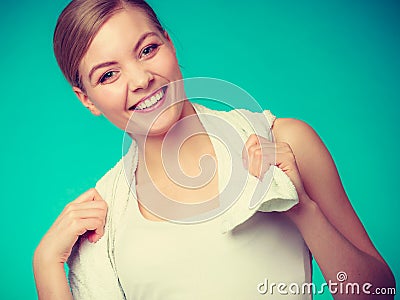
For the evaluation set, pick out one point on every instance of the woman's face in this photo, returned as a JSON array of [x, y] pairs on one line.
[[126, 71]]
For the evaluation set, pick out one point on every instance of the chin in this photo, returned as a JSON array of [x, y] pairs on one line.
[[159, 126], [165, 121]]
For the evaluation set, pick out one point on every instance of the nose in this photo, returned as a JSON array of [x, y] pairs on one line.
[[139, 78]]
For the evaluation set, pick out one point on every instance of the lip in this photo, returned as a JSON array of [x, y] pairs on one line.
[[158, 104]]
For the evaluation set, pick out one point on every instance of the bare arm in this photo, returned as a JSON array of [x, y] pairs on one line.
[[86, 213], [51, 281], [325, 217]]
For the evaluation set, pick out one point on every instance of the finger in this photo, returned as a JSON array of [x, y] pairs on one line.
[[68, 230], [100, 204], [286, 162], [252, 140], [92, 236], [257, 162], [269, 153], [73, 208], [284, 154], [81, 226], [86, 214], [260, 163], [254, 159], [89, 195]]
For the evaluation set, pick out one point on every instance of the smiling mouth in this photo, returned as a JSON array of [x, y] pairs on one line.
[[150, 101]]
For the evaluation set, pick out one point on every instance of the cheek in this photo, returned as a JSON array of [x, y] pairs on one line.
[[110, 99], [168, 66]]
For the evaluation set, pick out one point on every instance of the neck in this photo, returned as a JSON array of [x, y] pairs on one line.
[[185, 137]]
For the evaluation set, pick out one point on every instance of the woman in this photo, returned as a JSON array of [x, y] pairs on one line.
[[124, 239]]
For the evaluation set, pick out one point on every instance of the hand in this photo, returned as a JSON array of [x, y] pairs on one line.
[[259, 154], [86, 214]]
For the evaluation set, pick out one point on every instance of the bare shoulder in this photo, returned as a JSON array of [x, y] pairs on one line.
[[316, 166], [322, 181], [312, 157], [289, 129], [302, 138]]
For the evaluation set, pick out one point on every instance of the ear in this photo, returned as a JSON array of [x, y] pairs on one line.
[[83, 97]]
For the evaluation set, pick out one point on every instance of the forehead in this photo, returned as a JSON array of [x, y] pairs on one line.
[[116, 36]]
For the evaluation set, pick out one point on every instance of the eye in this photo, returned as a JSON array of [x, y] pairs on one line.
[[107, 76], [149, 50]]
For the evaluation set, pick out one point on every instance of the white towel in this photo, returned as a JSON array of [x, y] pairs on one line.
[[92, 271]]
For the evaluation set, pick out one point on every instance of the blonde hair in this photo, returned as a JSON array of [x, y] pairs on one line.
[[78, 24]]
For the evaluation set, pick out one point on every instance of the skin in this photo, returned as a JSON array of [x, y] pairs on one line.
[[324, 215], [112, 89], [86, 214], [141, 67]]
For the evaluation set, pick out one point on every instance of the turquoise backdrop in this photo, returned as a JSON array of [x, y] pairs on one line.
[[334, 64]]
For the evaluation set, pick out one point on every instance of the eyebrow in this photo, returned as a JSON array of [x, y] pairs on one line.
[[109, 63]]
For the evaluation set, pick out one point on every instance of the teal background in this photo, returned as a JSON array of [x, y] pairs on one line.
[[334, 64]]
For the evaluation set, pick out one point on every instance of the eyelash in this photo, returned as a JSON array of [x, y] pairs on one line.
[[104, 77], [109, 74], [152, 47]]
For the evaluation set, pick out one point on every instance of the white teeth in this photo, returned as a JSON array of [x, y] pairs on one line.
[[150, 102], [142, 105]]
